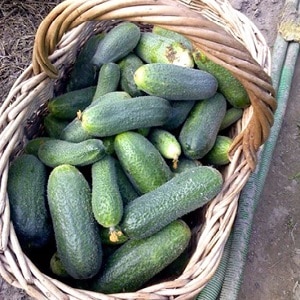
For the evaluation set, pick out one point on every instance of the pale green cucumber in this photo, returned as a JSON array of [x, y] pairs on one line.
[[232, 115]]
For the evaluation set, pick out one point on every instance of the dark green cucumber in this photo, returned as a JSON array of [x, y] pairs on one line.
[[175, 82], [32, 146], [218, 155], [56, 152], [182, 194], [129, 65], [54, 126], [119, 115], [135, 262], [232, 115], [107, 202], [117, 43], [141, 161], [228, 85], [76, 231], [67, 105], [108, 79], [179, 113], [154, 48], [199, 131], [173, 35], [84, 73], [26, 188]]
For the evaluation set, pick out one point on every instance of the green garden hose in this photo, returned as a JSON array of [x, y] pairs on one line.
[[226, 282]]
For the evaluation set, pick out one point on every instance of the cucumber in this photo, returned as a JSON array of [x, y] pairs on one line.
[[137, 261], [179, 113], [54, 126], [228, 85], [184, 193], [128, 66], [112, 236], [107, 202], [84, 73], [175, 82], [153, 48], [185, 164], [68, 104], [74, 132], [141, 161], [111, 96], [166, 143], [232, 115], [199, 132], [56, 152], [32, 146], [76, 231], [108, 143], [119, 115], [108, 79], [57, 267], [117, 43], [173, 35], [26, 189], [218, 155]]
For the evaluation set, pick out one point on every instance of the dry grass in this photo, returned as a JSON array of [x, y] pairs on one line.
[[19, 21]]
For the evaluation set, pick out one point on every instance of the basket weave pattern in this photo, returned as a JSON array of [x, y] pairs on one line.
[[226, 36]]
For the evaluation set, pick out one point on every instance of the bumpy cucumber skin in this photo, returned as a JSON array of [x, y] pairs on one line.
[[135, 262], [117, 43], [129, 65], [76, 231], [119, 115], [174, 82], [232, 115], [67, 105], [54, 126], [185, 164], [228, 85], [173, 35], [26, 188], [32, 146], [199, 131], [218, 155], [182, 194], [153, 48], [56, 152], [141, 161], [108, 79], [74, 132], [107, 202]]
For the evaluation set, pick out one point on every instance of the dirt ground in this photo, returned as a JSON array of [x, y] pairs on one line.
[[273, 266]]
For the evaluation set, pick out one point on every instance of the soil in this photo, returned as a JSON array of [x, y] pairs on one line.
[[272, 271]]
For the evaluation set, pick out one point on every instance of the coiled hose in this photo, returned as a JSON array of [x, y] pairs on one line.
[[226, 282]]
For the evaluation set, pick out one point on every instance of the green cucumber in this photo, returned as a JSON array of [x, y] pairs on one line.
[[76, 231], [117, 43], [84, 73], [232, 115], [175, 82], [185, 164], [107, 202], [57, 267], [129, 65], [119, 115], [182, 194], [173, 35], [135, 262], [108, 79], [141, 161], [228, 85], [26, 189], [54, 126], [32, 146], [74, 132], [166, 143], [153, 48], [179, 113], [218, 155], [199, 131], [56, 152], [67, 105]]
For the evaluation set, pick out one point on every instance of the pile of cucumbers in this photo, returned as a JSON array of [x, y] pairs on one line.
[[130, 149]]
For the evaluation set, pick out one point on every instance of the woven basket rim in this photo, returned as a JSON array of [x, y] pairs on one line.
[[19, 271]]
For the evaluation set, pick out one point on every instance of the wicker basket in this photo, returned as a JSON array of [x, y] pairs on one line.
[[226, 36]]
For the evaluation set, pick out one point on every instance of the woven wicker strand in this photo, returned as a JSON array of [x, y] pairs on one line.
[[226, 36]]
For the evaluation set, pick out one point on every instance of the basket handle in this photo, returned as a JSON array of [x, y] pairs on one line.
[[219, 46]]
